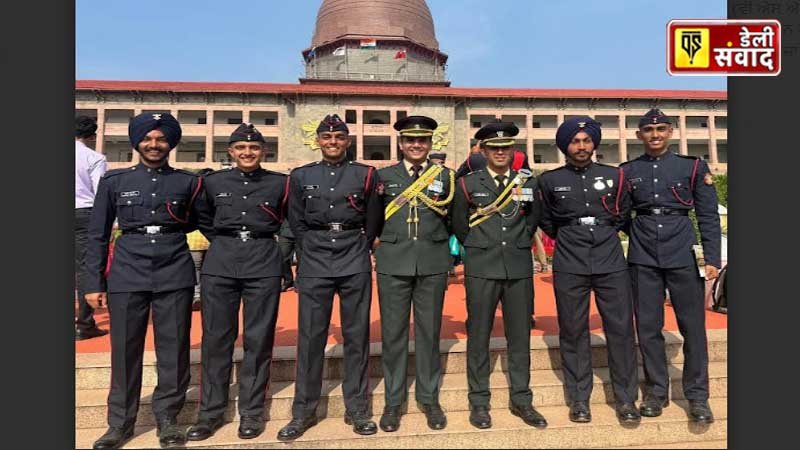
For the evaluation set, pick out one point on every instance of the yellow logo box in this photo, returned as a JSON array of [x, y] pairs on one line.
[[692, 48]]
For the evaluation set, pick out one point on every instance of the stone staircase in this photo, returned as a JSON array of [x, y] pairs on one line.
[[671, 430]]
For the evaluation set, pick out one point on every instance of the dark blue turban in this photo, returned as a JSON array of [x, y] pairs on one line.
[[575, 125], [147, 122]]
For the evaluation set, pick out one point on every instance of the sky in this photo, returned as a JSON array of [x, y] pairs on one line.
[[618, 44]]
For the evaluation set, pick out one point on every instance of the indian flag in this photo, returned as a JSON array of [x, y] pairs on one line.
[[368, 43]]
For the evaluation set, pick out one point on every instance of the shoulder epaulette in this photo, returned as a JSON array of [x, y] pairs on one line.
[[187, 172], [690, 157], [113, 172]]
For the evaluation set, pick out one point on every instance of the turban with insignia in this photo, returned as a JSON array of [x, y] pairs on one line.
[[575, 125], [246, 132], [331, 123], [147, 122], [84, 127], [653, 117]]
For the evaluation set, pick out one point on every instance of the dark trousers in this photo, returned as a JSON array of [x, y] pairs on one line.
[[85, 318], [686, 292], [129, 312], [615, 303], [316, 303], [482, 298], [288, 246], [396, 295], [220, 310]]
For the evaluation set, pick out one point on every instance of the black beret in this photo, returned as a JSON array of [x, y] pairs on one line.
[[331, 123], [416, 126], [246, 132], [654, 116], [84, 127], [497, 134], [575, 125], [147, 122], [438, 155]]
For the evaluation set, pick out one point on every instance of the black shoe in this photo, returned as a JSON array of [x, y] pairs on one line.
[[628, 413], [436, 418], [286, 285], [529, 415], [296, 428], [89, 333], [204, 429], [653, 406], [479, 417], [361, 423], [580, 412], [114, 437], [251, 427], [170, 434], [390, 420], [700, 411]]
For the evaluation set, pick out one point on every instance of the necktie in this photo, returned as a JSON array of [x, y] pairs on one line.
[[416, 170], [501, 182]]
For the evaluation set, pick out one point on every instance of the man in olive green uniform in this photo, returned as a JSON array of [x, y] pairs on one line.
[[412, 260], [495, 215]]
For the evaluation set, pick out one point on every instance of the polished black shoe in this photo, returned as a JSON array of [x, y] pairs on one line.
[[700, 411], [653, 406], [296, 428], [114, 437], [479, 417], [361, 422], [204, 429], [436, 418], [251, 427], [628, 413], [89, 333], [286, 285], [580, 412], [390, 420], [170, 434], [529, 415]]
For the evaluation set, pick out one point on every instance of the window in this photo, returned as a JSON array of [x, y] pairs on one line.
[[350, 116], [401, 115], [202, 120], [377, 117], [234, 120]]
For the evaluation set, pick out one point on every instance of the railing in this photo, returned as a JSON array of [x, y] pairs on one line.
[[363, 76]]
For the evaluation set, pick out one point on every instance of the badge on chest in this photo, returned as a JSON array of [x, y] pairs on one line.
[[436, 187], [523, 194]]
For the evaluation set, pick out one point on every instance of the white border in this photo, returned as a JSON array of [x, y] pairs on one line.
[[723, 22]]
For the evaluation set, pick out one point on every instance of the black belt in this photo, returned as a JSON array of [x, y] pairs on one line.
[[154, 229], [335, 227], [662, 212], [247, 235], [590, 221]]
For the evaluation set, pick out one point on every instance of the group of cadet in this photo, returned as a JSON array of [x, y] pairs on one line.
[[341, 213]]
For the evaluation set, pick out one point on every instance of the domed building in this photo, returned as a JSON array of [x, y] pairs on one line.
[[382, 41], [374, 62]]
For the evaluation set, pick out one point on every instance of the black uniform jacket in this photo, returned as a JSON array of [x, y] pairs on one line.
[[674, 182], [597, 194], [139, 197], [241, 214], [343, 195]]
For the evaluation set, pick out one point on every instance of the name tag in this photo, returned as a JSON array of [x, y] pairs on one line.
[[130, 194], [310, 187], [393, 186], [437, 186], [224, 195], [563, 189], [635, 180], [480, 194]]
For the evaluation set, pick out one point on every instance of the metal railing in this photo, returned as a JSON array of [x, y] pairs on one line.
[[363, 76]]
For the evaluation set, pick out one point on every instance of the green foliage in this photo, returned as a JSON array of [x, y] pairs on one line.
[[721, 184]]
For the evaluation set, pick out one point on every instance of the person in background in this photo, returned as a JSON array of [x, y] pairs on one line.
[[89, 168]]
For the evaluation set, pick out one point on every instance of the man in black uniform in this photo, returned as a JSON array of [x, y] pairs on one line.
[[288, 246], [413, 258], [335, 214], [242, 211], [495, 215], [585, 206], [664, 188], [152, 270]]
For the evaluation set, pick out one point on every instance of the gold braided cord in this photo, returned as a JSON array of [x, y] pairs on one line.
[[412, 191], [503, 200]]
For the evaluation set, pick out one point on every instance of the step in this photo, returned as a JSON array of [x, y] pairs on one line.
[[93, 370], [700, 444], [508, 431], [547, 386]]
